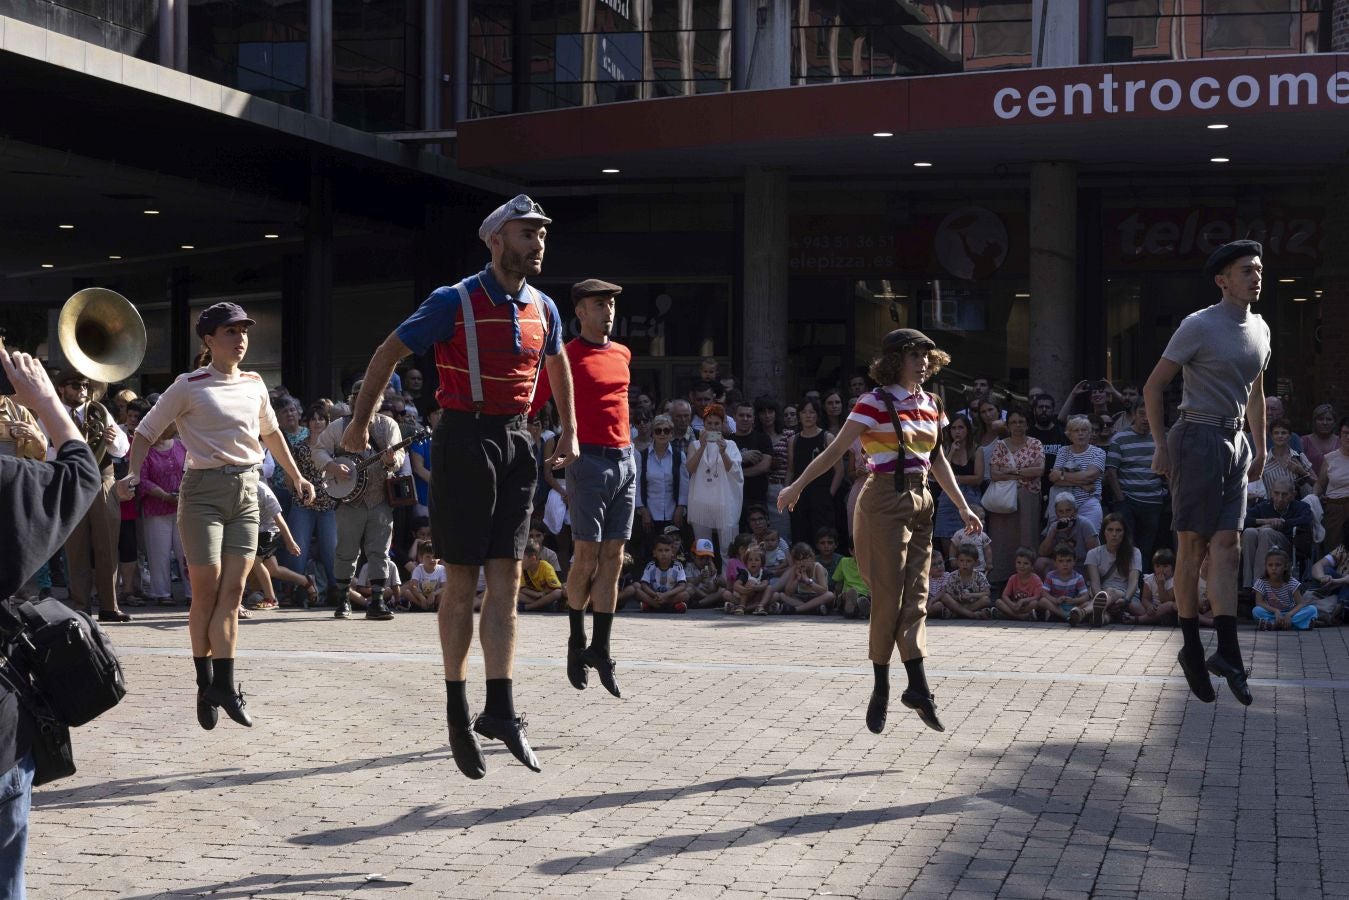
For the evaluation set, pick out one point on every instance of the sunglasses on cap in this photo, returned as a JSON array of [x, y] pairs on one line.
[[524, 206]]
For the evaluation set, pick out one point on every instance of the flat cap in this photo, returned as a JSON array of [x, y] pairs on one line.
[[1227, 253], [216, 315], [593, 287], [518, 207], [901, 338]]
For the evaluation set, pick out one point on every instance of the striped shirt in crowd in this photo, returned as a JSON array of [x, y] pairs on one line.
[[919, 416], [1091, 458], [1279, 597], [1130, 454]]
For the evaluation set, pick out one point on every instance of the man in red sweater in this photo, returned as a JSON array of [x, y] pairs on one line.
[[602, 483]]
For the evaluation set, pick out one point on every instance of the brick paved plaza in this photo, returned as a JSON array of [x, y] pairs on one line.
[[737, 765]]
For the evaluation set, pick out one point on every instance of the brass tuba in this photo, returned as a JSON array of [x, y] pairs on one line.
[[103, 338]]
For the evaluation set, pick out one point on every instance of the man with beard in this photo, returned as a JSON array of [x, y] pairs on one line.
[[1223, 352], [492, 334], [601, 484], [1046, 429]]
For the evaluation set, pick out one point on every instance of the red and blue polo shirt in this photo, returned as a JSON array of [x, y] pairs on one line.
[[513, 338]]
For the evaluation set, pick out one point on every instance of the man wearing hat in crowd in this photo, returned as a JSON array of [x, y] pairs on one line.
[[899, 425], [602, 483], [1222, 352], [364, 523], [492, 334], [91, 549]]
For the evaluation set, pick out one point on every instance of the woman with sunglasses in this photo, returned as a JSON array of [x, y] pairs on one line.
[[220, 411]]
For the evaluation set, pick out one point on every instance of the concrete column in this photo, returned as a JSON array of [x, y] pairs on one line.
[[316, 371], [461, 86], [1097, 23], [1054, 33], [321, 58], [1332, 383], [764, 339], [1053, 277], [433, 63], [762, 44]]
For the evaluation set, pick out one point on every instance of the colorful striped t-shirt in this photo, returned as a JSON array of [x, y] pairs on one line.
[[919, 416]]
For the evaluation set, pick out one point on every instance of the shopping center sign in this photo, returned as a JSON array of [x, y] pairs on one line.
[[1117, 93]]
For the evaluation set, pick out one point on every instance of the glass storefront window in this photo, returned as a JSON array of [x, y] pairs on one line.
[[127, 26], [377, 63], [1152, 30]]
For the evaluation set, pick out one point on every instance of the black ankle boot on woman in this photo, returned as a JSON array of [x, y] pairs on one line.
[[880, 699], [918, 697], [224, 694]]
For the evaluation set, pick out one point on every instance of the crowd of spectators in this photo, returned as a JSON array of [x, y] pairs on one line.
[[1077, 524]]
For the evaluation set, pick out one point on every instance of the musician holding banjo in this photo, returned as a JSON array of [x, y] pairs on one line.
[[364, 517], [224, 419]]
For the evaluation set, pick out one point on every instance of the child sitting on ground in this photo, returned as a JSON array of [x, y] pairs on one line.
[[752, 587], [1065, 595], [937, 576], [704, 584], [826, 549], [1021, 596], [1279, 603], [806, 589], [540, 588], [537, 535], [775, 554], [421, 531], [853, 594], [967, 590], [1066, 528], [1157, 605], [627, 581], [664, 586], [360, 591], [423, 587]]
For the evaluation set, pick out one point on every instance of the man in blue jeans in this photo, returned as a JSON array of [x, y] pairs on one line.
[[51, 498]]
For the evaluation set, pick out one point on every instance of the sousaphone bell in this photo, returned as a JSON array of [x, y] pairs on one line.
[[101, 335]]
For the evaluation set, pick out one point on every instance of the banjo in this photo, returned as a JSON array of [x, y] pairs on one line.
[[346, 490]]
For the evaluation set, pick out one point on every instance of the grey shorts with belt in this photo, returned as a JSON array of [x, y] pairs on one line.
[[1208, 477], [602, 488]]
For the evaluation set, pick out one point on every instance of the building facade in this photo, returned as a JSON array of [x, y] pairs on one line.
[[776, 184]]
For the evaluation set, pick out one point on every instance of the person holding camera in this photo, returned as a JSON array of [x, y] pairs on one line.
[[716, 481], [50, 498]]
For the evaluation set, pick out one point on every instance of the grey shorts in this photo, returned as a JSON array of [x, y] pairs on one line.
[[602, 494], [1208, 478], [218, 514]]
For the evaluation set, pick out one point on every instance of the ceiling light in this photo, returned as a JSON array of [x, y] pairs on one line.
[[1219, 159], [608, 171], [923, 165], [186, 247], [114, 257], [1299, 299], [1316, 293], [271, 237], [1023, 296], [65, 227], [1287, 280], [151, 212], [48, 266], [882, 134], [1216, 126]]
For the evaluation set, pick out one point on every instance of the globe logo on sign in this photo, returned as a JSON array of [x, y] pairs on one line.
[[971, 243]]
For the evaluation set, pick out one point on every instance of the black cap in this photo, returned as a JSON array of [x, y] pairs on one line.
[[902, 338], [1227, 253], [593, 287], [212, 317]]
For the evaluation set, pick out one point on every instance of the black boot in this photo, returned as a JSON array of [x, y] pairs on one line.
[[498, 721], [377, 609], [207, 716], [919, 697], [880, 699], [341, 597], [225, 694], [1191, 659], [464, 744], [576, 645]]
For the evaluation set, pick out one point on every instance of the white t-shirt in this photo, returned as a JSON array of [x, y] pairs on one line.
[[1151, 581], [221, 418], [1101, 557], [268, 508], [428, 581]]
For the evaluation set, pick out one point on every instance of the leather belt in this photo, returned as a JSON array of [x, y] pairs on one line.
[[606, 452], [1232, 425]]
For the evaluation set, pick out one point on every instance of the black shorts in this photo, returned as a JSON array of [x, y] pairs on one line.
[[269, 542], [482, 487]]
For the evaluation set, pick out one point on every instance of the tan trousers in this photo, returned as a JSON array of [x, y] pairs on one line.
[[91, 549], [892, 539]]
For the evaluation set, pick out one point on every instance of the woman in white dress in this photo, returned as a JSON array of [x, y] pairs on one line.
[[716, 481]]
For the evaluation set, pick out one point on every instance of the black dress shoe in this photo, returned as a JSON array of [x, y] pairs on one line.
[[378, 611], [1236, 677], [1200, 685], [206, 711], [576, 668], [231, 701], [113, 615], [343, 610], [467, 752], [876, 711], [510, 732], [925, 707], [604, 667]]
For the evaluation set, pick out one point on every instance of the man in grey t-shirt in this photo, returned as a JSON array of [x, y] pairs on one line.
[[1222, 352]]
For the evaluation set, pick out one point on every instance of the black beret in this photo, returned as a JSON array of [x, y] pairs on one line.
[[1225, 254], [593, 287], [901, 338]]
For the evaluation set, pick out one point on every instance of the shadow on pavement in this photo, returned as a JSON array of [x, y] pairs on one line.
[[280, 884]]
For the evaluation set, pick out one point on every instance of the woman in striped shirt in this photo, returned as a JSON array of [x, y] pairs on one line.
[[892, 525]]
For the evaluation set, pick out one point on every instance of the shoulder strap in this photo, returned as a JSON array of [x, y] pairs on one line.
[[543, 349], [899, 429], [471, 345]]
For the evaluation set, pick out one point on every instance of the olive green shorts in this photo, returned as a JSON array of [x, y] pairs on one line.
[[218, 514]]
